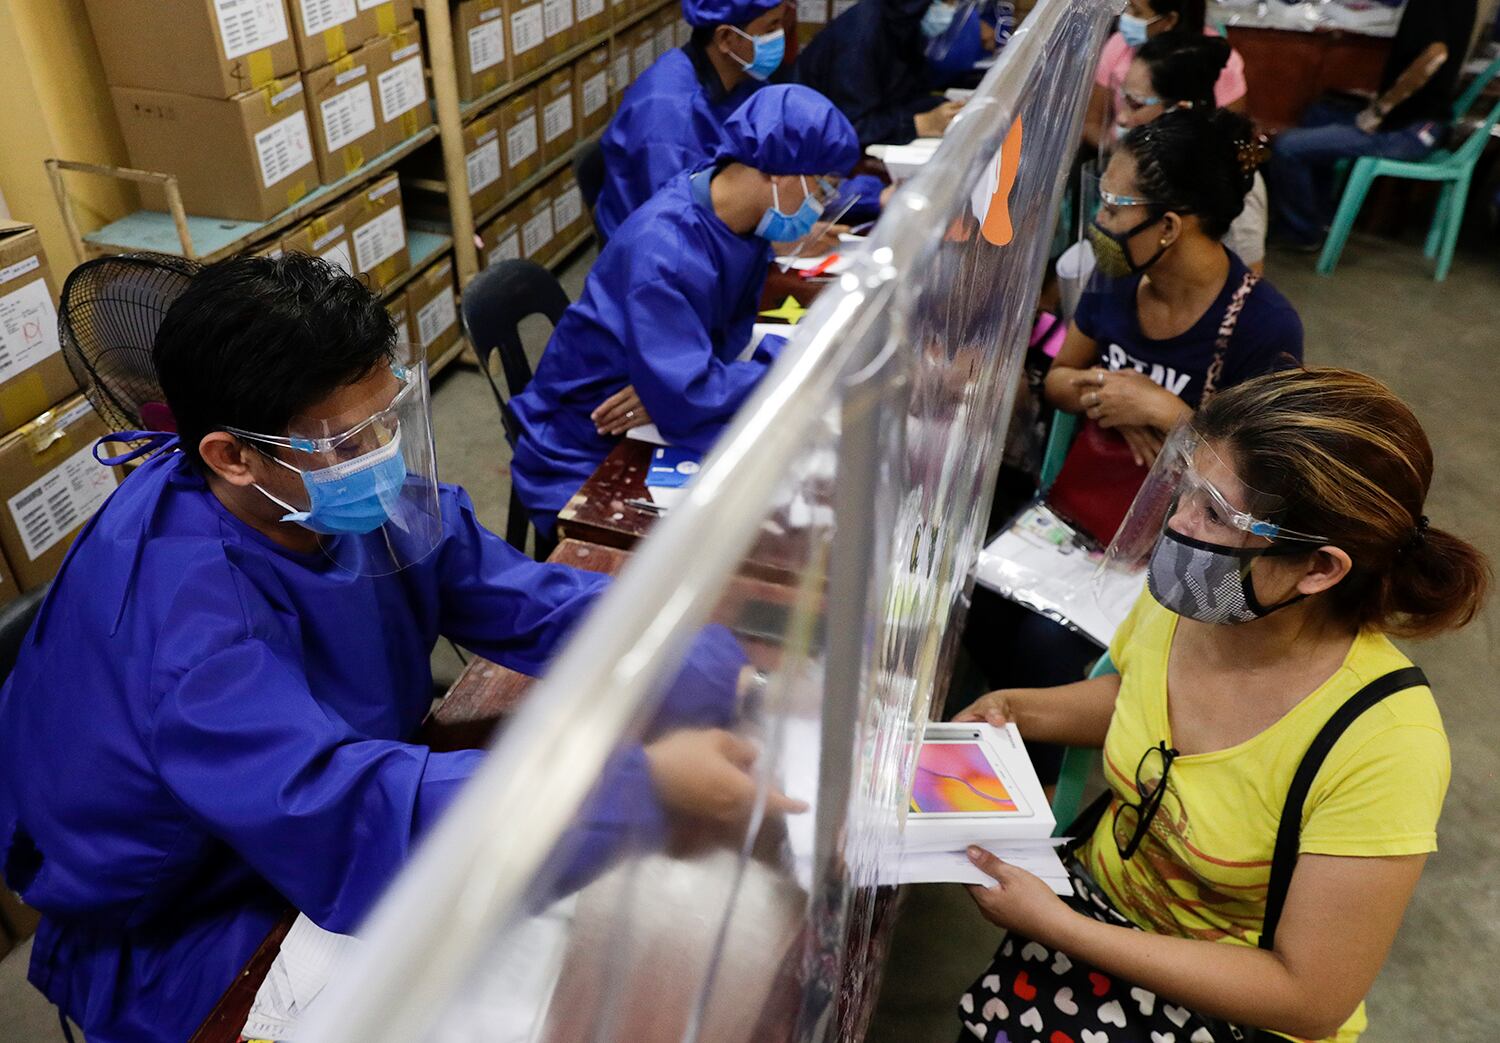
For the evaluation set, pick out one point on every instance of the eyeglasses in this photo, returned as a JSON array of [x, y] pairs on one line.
[[374, 431], [1132, 820]]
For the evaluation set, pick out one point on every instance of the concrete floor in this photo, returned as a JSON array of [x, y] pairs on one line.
[[1381, 313]]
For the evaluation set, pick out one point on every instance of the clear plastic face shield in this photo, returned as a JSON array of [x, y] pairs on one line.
[[798, 228], [368, 471], [1197, 529]]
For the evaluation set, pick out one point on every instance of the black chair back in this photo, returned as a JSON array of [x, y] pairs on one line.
[[15, 620], [588, 170]]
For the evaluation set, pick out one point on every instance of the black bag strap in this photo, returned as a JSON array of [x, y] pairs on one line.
[[1289, 831]]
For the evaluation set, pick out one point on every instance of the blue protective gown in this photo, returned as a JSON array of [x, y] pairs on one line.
[[667, 308], [670, 120], [204, 726]]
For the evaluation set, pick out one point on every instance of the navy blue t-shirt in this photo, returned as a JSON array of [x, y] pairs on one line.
[[1268, 337]]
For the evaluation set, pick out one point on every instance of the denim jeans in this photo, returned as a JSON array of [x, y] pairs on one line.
[[1301, 172]]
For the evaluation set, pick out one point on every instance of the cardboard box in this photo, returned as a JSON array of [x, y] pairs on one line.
[[681, 32], [483, 44], [570, 218], [50, 485], [500, 240], [246, 158], [642, 40], [396, 308], [559, 26], [592, 17], [591, 92], [484, 149], [526, 33], [538, 238], [432, 311], [347, 132], [377, 231], [520, 129], [619, 10], [210, 48], [326, 30], [33, 374], [662, 23], [558, 115], [812, 15], [619, 70], [400, 85], [326, 236]]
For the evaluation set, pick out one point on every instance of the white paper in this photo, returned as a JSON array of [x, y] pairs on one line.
[[804, 264], [339, 257], [483, 166], [507, 249], [435, 318], [402, 88], [320, 15], [567, 209], [619, 70], [954, 867], [348, 116], [557, 17], [959, 93], [595, 93], [61, 500], [526, 29], [589, 9], [250, 25], [537, 233], [905, 160], [378, 239], [520, 141], [309, 957], [283, 148], [812, 12], [648, 433], [557, 117], [28, 328], [486, 46]]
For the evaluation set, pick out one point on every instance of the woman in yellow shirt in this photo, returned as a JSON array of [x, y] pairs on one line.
[[1257, 628]]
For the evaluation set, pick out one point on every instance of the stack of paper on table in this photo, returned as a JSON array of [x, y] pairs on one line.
[[905, 160]]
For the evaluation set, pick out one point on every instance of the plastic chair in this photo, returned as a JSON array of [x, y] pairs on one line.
[[15, 621], [494, 305], [1454, 170], [1077, 764], [588, 171], [1059, 440]]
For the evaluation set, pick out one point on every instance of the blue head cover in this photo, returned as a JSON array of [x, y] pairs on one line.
[[700, 13], [790, 129]]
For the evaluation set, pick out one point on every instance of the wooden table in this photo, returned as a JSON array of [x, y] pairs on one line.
[[1287, 70]]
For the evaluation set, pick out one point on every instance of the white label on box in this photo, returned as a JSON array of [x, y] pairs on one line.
[[435, 318], [378, 239], [538, 232], [557, 17], [483, 165], [250, 25], [350, 75], [385, 188], [663, 40], [619, 70], [589, 9], [486, 46], [567, 208], [20, 268], [520, 141], [644, 55], [367, 5], [812, 12], [557, 118], [400, 54], [348, 116], [61, 500], [321, 15], [336, 232], [283, 148], [507, 249], [595, 93], [28, 328], [286, 93], [402, 88], [526, 29], [339, 257]]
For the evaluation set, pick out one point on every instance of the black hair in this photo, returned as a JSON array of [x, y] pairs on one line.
[[255, 341], [1185, 67], [702, 36], [1190, 13], [1200, 163]]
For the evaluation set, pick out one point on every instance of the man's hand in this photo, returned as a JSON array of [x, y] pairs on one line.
[[704, 774], [1018, 900], [620, 412], [933, 122]]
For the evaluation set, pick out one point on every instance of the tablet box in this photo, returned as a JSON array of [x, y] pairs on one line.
[[326, 30], [642, 40], [483, 46], [538, 241], [432, 311], [209, 48], [341, 100], [569, 217], [500, 240], [401, 103], [619, 69], [559, 26], [591, 92], [326, 236], [1034, 820], [33, 374], [520, 129], [681, 32], [527, 36], [559, 120], [377, 232], [483, 164], [50, 484], [245, 158], [592, 17]]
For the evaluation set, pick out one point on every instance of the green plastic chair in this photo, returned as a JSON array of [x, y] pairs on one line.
[[1059, 438], [1077, 764], [1453, 170]]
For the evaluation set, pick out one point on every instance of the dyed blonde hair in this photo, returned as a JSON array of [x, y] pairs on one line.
[[1351, 463]]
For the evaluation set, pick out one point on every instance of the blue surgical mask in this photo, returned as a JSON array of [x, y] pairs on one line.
[[350, 498], [937, 18], [784, 228], [1133, 28], [769, 50]]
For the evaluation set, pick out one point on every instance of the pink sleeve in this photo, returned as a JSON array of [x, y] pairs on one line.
[[1116, 53], [1231, 86]]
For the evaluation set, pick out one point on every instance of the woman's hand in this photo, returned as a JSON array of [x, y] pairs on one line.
[[704, 774], [620, 412], [1126, 398], [1018, 900], [1145, 443], [933, 122], [991, 708]]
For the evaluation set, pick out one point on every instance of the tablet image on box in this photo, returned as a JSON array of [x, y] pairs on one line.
[[961, 777]]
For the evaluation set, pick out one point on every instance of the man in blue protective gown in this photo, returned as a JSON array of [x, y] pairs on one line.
[[667, 310], [212, 715], [672, 117]]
